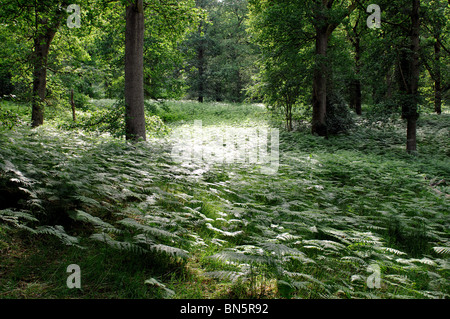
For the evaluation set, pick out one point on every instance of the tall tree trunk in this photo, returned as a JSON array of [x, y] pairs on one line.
[[411, 134], [413, 115], [437, 78], [134, 71], [40, 57], [319, 102], [357, 96], [324, 27]]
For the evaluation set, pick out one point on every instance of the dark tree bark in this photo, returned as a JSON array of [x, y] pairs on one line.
[[72, 103], [357, 103], [356, 85], [134, 71], [411, 134], [408, 72], [40, 57], [319, 97], [324, 27]]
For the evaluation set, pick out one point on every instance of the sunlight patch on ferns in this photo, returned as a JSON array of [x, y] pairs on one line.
[[331, 210]]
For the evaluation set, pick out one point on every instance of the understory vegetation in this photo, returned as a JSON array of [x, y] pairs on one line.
[[140, 225]]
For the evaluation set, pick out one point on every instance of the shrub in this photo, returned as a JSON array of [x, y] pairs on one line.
[[339, 117], [8, 119], [111, 119]]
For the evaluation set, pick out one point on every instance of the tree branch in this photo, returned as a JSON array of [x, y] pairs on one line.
[[437, 39], [331, 27]]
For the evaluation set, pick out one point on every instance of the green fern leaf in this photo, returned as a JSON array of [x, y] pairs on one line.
[[88, 218], [169, 293], [120, 245], [172, 251], [147, 229], [59, 232], [442, 250], [14, 216]]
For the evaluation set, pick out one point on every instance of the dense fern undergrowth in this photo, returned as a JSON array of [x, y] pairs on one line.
[[143, 226]]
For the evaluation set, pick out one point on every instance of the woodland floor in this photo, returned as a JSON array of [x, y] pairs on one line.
[[334, 210]]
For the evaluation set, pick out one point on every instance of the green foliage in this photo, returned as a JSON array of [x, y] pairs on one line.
[[8, 119], [210, 113], [56, 195], [220, 59], [339, 117], [287, 61], [15, 217], [154, 282], [110, 119], [59, 232], [310, 231], [76, 190], [6, 86], [340, 206]]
